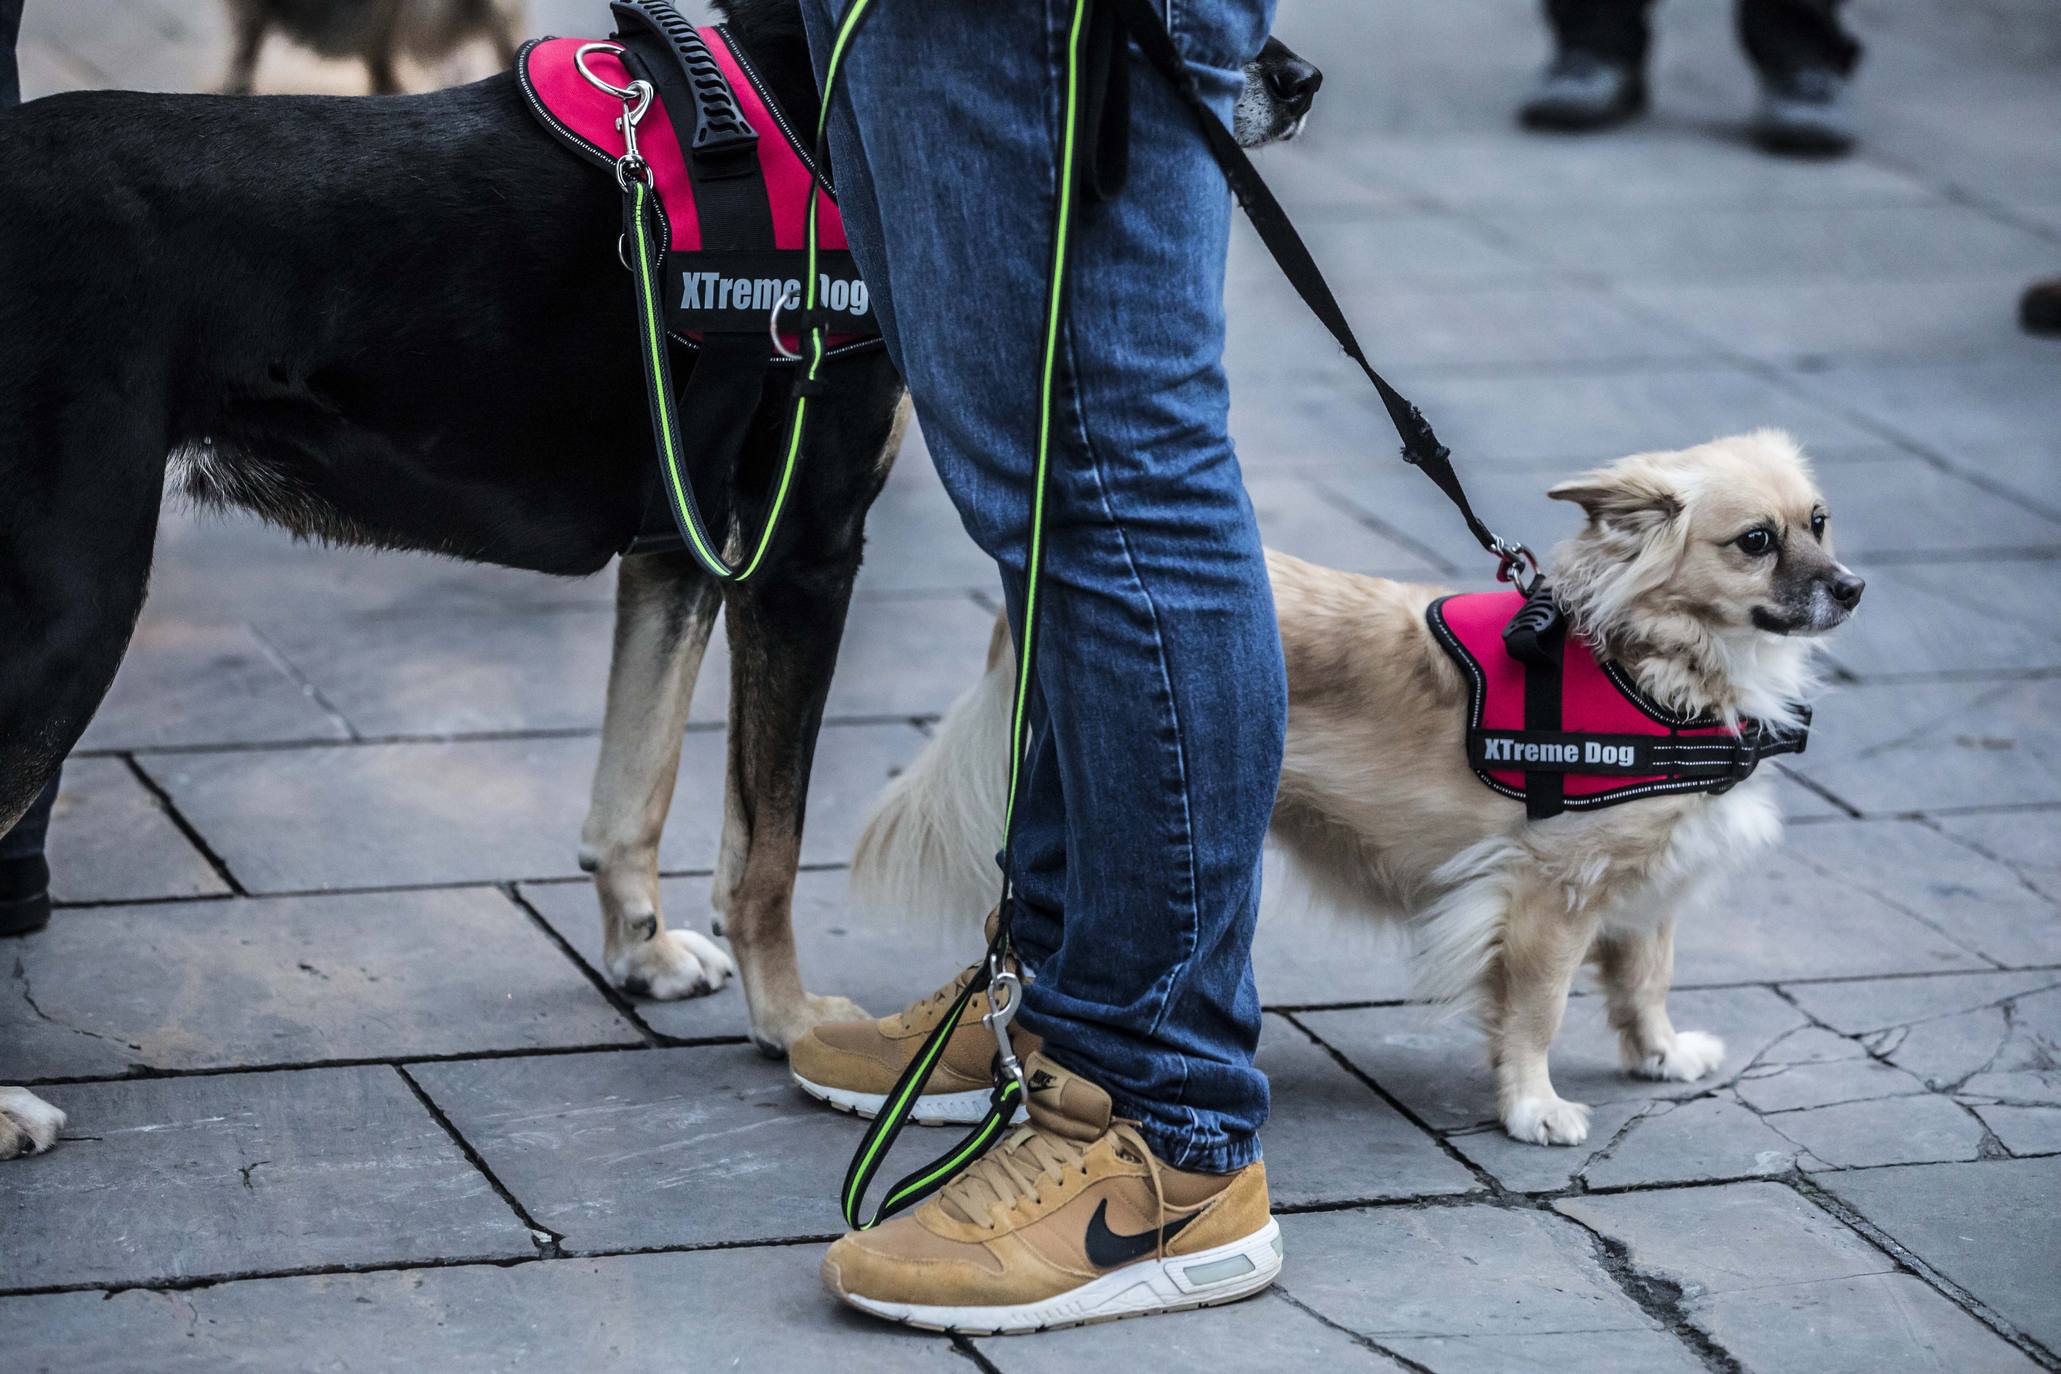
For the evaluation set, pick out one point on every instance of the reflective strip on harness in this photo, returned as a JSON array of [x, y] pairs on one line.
[[1612, 744]]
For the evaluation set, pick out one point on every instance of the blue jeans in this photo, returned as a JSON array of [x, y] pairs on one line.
[[1161, 699]]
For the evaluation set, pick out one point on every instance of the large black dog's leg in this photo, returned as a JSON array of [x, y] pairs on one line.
[[665, 606], [79, 516], [784, 630]]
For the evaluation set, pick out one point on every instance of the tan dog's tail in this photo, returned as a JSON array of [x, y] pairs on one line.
[[928, 848]]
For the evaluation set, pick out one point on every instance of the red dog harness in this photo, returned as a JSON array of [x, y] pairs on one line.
[[717, 183], [1551, 724]]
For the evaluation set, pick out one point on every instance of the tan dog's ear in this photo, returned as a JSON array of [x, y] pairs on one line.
[[1622, 495]]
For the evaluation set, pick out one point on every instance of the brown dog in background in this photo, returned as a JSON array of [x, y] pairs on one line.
[[376, 32]]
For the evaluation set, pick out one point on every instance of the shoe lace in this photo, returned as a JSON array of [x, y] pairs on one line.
[[1017, 1170], [942, 995]]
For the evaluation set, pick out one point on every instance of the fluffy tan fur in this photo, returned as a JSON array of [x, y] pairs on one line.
[[1381, 813]]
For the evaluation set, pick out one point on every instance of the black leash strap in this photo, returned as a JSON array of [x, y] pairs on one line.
[[1421, 447]]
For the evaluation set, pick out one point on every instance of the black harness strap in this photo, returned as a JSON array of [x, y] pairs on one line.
[[1540, 644]]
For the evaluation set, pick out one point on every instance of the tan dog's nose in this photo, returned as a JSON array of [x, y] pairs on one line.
[[1847, 589]]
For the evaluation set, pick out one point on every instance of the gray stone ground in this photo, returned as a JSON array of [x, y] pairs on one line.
[[347, 1092]]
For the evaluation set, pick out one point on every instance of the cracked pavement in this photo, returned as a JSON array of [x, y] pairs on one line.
[[347, 1091]]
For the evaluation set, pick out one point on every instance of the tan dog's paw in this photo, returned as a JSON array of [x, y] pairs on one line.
[[670, 965], [1547, 1121], [778, 1029], [1692, 1055], [28, 1124]]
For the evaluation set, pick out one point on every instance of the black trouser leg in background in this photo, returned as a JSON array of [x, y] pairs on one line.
[[1614, 30], [1779, 36], [1783, 36]]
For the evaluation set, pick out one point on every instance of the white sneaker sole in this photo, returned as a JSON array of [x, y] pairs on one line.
[[932, 1109], [1175, 1284]]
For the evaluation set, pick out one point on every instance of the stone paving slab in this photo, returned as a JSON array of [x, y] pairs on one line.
[[1973, 902], [1993, 616], [1905, 747], [1490, 327], [225, 984], [1295, 514], [1805, 912], [195, 682], [1751, 244], [1576, 419], [659, 1147], [1988, 1227], [175, 1178], [1468, 1288], [1642, 169], [716, 1144], [1267, 1332], [461, 672], [1438, 1067], [881, 963], [478, 811], [1951, 1029], [112, 841], [1782, 1286], [2001, 407], [758, 1309], [1805, 322], [1329, 1138]]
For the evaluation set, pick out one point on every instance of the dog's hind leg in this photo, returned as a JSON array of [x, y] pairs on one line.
[[665, 607], [1542, 946], [1636, 967], [784, 632]]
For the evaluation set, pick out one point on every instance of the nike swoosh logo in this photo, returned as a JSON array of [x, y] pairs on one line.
[[1109, 1249]]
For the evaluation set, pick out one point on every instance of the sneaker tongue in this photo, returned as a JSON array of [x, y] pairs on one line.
[[1064, 1103]]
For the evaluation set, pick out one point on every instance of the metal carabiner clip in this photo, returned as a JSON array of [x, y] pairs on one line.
[[1005, 995], [1514, 560]]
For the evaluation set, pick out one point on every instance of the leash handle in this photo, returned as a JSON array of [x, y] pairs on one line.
[[1421, 447]]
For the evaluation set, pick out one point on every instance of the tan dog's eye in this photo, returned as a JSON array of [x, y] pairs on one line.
[[1818, 519], [1756, 541]]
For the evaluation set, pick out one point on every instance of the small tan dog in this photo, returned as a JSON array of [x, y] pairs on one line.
[[1702, 575]]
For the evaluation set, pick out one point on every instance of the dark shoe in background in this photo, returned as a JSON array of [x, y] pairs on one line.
[[1581, 92], [1804, 112], [2039, 309]]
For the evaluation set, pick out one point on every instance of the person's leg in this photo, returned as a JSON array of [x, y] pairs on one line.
[[1804, 58], [1596, 77], [1159, 661]]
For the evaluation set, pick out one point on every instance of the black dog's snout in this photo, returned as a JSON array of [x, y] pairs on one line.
[[1295, 83], [1847, 589]]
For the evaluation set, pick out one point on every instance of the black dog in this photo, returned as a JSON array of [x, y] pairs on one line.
[[402, 323]]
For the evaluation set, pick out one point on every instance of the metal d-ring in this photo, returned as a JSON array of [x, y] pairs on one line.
[[637, 90], [773, 332]]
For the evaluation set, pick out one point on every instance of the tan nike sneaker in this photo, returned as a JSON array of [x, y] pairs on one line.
[[1068, 1220], [854, 1065]]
